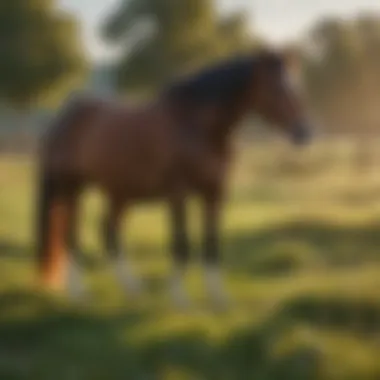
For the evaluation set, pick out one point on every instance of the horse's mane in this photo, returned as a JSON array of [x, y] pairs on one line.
[[221, 82]]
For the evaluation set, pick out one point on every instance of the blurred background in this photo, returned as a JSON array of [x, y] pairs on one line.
[[301, 228]]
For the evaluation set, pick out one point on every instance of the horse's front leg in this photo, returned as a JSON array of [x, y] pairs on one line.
[[211, 251], [120, 262]]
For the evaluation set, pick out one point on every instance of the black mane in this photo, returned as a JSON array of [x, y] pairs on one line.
[[220, 83]]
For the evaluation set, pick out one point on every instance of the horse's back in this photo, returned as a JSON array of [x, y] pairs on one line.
[[111, 143], [68, 131]]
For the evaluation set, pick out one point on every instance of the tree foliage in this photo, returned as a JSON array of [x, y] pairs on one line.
[[188, 34], [39, 50], [342, 67]]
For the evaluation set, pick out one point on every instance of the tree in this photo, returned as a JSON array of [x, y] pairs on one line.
[[343, 71], [234, 32], [39, 50], [187, 34]]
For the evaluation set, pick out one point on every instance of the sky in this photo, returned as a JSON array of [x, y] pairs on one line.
[[277, 20]]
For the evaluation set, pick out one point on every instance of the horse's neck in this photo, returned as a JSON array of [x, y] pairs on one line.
[[229, 120], [213, 123]]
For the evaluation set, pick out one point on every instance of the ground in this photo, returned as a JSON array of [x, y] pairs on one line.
[[301, 259]]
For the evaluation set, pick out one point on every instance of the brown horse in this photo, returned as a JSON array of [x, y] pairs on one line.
[[175, 146]]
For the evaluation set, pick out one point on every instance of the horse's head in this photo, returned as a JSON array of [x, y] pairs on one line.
[[276, 98]]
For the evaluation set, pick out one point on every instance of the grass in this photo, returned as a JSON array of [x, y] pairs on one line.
[[300, 243]]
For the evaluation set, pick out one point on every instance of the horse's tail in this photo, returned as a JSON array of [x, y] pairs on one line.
[[52, 223], [53, 202]]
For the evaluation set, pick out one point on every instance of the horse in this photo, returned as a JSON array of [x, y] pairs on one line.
[[176, 145]]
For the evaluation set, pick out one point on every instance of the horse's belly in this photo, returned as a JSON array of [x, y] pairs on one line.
[[133, 175]]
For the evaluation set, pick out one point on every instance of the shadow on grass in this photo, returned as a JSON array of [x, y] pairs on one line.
[[300, 245], [15, 251], [41, 338], [88, 259], [338, 313], [61, 343], [12, 250], [277, 250]]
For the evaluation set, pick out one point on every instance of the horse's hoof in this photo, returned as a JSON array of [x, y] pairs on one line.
[[79, 296], [134, 291], [181, 301], [221, 303], [133, 287], [183, 306], [77, 291]]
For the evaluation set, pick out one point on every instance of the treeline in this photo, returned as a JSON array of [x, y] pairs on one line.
[[42, 56], [41, 53], [184, 35], [342, 72]]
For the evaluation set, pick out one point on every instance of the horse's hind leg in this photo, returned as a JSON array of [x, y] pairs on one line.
[[74, 281], [120, 263], [180, 251], [56, 210]]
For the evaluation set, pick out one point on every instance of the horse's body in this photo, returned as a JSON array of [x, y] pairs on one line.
[[175, 146], [129, 153]]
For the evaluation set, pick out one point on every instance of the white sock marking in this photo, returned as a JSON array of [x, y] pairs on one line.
[[214, 284], [74, 283], [177, 289], [125, 275]]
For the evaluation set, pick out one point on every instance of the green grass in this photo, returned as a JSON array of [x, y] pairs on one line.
[[302, 263]]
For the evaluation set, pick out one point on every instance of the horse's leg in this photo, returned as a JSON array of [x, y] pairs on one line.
[[121, 265], [74, 283], [180, 250], [211, 254], [57, 209]]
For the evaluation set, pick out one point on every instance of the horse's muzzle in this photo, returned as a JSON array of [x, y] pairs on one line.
[[301, 133]]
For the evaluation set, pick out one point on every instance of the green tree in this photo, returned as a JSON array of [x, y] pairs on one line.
[[234, 34], [187, 34], [343, 71], [39, 50]]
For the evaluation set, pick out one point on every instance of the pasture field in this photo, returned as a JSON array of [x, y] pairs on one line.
[[301, 248]]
